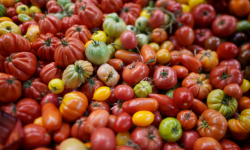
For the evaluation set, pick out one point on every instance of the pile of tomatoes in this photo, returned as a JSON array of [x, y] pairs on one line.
[[124, 74]]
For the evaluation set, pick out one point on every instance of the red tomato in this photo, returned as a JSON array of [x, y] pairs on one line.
[[183, 97], [50, 71], [51, 98], [117, 109], [50, 24], [171, 146], [175, 55], [195, 48], [103, 138], [123, 122], [38, 3], [69, 21], [224, 25], [181, 71], [11, 12], [111, 6], [116, 63], [80, 32], [147, 137], [124, 92], [188, 139], [52, 119], [205, 143], [227, 50], [165, 77], [39, 67], [227, 144], [54, 9], [157, 19], [177, 46], [185, 35], [157, 119], [186, 19], [201, 35], [204, 14], [111, 122], [112, 98], [243, 103], [130, 12], [127, 57], [148, 55], [2, 59], [78, 130], [233, 90], [62, 134], [190, 62], [128, 39], [96, 105], [166, 105], [230, 62], [187, 118], [198, 106], [159, 35]]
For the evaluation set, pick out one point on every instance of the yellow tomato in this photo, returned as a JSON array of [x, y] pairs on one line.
[[182, 1], [2, 19], [56, 86], [122, 138], [35, 9], [109, 40], [163, 56], [33, 33], [167, 45], [143, 118], [155, 46], [102, 93], [38, 121], [99, 36], [9, 26], [118, 42], [87, 44], [23, 9], [185, 8], [193, 3], [145, 13], [245, 85]]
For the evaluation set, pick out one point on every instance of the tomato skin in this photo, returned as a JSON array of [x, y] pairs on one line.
[[187, 118], [175, 56], [183, 97], [227, 50], [108, 8], [166, 105], [124, 92], [127, 57], [171, 146], [224, 25], [103, 138], [128, 39], [188, 138], [62, 134], [157, 19], [138, 104], [190, 62], [51, 98], [198, 106], [50, 24], [80, 32], [35, 136], [159, 35], [227, 144], [52, 119], [157, 119], [50, 71], [204, 14], [230, 62], [233, 90], [243, 103], [123, 122], [117, 109], [204, 143], [246, 147], [185, 35], [141, 136], [186, 19], [170, 129], [223, 75], [209, 59], [148, 55], [11, 12], [96, 105], [78, 130], [239, 8], [130, 12], [201, 35], [102, 93]]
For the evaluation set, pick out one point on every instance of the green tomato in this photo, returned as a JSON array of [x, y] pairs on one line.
[[111, 51], [224, 104], [132, 28], [141, 23], [243, 25], [113, 25], [24, 17], [2, 10], [170, 93], [166, 19], [142, 89], [66, 7], [97, 53], [142, 39], [58, 15], [63, 2], [170, 129]]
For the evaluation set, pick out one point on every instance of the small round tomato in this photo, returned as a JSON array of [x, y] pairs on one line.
[[181, 71], [155, 46], [185, 8], [128, 39], [123, 122], [23, 9], [227, 50], [103, 138], [167, 45], [205, 143], [56, 86], [143, 118], [122, 138], [159, 35], [117, 42], [185, 35], [145, 13], [170, 129], [35, 9], [245, 86], [183, 97], [99, 36], [124, 92], [163, 56], [11, 12], [187, 118], [102, 93]]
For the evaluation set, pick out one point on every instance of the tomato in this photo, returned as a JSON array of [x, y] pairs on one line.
[[157, 119], [181, 71], [145, 13], [111, 122], [35, 9], [212, 43], [50, 71], [9, 85], [148, 55], [99, 36], [72, 143], [228, 144], [223, 75], [127, 57], [128, 39], [183, 97], [186, 19], [38, 3], [245, 86], [227, 50], [204, 143], [139, 104], [69, 21], [5, 19], [51, 98], [159, 35], [185, 36], [123, 122], [246, 147], [82, 33], [239, 8], [243, 58], [115, 7], [143, 118], [50, 24], [187, 118], [108, 75], [69, 107], [113, 25], [171, 145], [170, 129], [188, 138], [198, 106], [62, 134], [96, 105], [130, 12], [34, 89], [78, 130], [243, 103], [124, 92], [35, 136], [166, 104], [56, 86], [103, 138], [52, 119], [117, 108], [122, 138], [190, 62], [11, 12], [175, 55], [116, 63], [233, 90], [231, 62], [224, 25], [212, 124], [167, 45], [157, 19], [147, 137], [163, 56], [38, 121], [23, 9]]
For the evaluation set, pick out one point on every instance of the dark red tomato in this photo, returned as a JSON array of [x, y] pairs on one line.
[[123, 122], [227, 144], [181, 71], [39, 67], [117, 109], [147, 137], [69, 21], [165, 77], [167, 105], [231, 62], [212, 43], [224, 25], [78, 130], [187, 118], [183, 97], [96, 105], [185, 35], [171, 146], [246, 147], [111, 122], [11, 12], [112, 98], [157, 119], [221, 6], [186, 18], [153, 68], [103, 138], [157, 19], [54, 9], [51, 98], [20, 3], [227, 50], [198, 106], [204, 14], [201, 35], [188, 139], [177, 46], [2, 60], [128, 39], [28, 110], [124, 92], [16, 20]]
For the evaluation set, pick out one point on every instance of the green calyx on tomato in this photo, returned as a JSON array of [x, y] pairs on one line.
[[142, 89], [225, 75], [170, 129], [132, 28]]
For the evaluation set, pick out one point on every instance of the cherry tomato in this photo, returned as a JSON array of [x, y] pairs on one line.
[[128, 39], [155, 46], [159, 35], [99, 36], [201, 35], [143, 118], [183, 97], [227, 50], [102, 93], [245, 86], [122, 138], [124, 92], [123, 122], [96, 105], [56, 86], [163, 56], [185, 36], [181, 71], [187, 118], [167, 45]]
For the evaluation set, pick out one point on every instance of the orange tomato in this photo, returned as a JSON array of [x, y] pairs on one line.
[[52, 120], [62, 134], [8, 3], [209, 59], [5, 19], [148, 54], [167, 45], [239, 7]]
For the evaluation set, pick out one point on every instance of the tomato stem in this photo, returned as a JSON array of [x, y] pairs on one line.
[[164, 73], [27, 84], [188, 115], [119, 45]]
